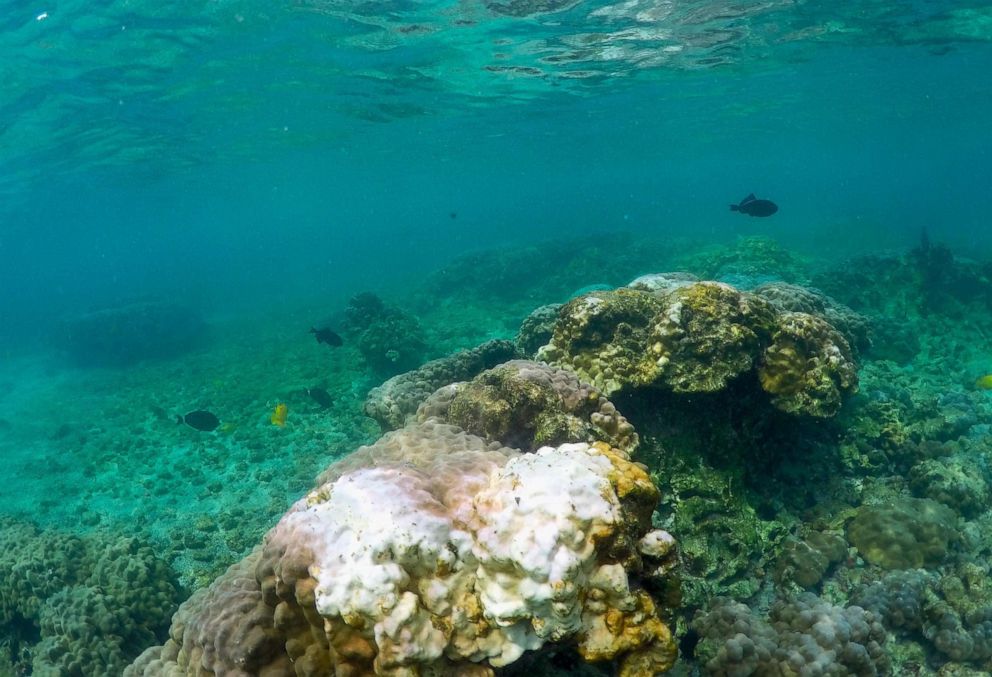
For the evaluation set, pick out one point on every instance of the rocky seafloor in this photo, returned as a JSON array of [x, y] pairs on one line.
[[651, 456]]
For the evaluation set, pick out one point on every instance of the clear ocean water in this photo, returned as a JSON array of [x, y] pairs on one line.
[[255, 166]]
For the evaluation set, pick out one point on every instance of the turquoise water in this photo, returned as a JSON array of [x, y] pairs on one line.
[[235, 151], [253, 166]]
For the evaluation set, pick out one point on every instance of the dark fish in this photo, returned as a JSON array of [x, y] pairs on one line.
[[752, 206], [453, 215], [326, 336], [200, 420], [321, 397]]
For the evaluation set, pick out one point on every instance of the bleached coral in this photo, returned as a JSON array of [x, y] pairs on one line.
[[436, 550]]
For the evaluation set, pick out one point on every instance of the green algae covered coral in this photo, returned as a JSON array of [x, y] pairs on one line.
[[708, 334], [604, 338], [396, 400], [527, 405], [805, 562], [952, 482], [390, 339], [808, 368], [72, 605], [697, 337], [907, 534]]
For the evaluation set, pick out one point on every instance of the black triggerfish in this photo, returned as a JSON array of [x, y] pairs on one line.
[[752, 206], [200, 420], [325, 335]]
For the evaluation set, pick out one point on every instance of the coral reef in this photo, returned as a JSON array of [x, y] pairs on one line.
[[80, 605], [808, 368], [527, 405], [805, 562], [697, 337], [390, 339], [746, 263], [396, 400], [537, 329], [804, 635], [923, 605], [906, 534], [434, 550], [449, 546], [523, 274], [130, 332], [856, 328]]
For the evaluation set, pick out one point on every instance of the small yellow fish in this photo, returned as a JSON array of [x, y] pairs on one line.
[[984, 382], [279, 415]]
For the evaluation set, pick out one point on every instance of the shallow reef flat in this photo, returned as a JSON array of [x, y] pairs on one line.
[[655, 457]]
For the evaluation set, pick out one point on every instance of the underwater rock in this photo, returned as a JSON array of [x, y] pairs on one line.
[[130, 332], [894, 339], [907, 534], [396, 401], [803, 635], [390, 339], [537, 328], [662, 282], [437, 551], [526, 405]]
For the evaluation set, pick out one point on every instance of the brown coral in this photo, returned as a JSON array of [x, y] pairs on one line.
[[708, 334], [603, 337], [437, 552], [527, 405], [808, 368]]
